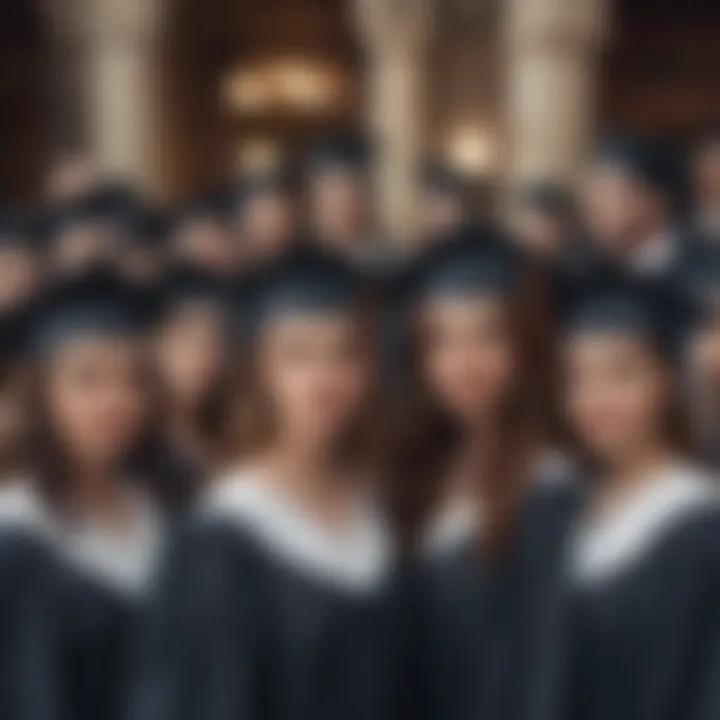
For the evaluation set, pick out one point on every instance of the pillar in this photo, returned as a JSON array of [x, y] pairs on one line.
[[122, 39], [396, 35], [552, 57]]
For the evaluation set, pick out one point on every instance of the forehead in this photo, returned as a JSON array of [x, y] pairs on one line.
[[463, 307], [310, 323], [590, 345]]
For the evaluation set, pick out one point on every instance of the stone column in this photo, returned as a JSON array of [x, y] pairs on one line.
[[396, 35], [123, 38], [68, 64], [552, 55]]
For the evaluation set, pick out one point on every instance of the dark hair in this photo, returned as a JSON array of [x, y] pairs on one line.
[[423, 437]]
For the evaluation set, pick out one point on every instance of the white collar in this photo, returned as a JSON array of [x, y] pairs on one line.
[[656, 254], [455, 523], [600, 551], [356, 561], [125, 563]]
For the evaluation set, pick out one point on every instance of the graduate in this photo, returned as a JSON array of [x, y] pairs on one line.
[[706, 185], [203, 235], [444, 203], [20, 261], [701, 283], [277, 600], [631, 203], [546, 221], [339, 199], [143, 235], [267, 215], [193, 355], [97, 523], [465, 457], [86, 232], [621, 593]]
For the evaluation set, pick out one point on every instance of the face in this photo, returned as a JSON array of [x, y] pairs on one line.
[[470, 363], [83, 245], [338, 205], [267, 223], [19, 275], [440, 215], [707, 178], [97, 398], [206, 244], [191, 354], [317, 373], [141, 265], [539, 233], [615, 207], [705, 351], [616, 393]]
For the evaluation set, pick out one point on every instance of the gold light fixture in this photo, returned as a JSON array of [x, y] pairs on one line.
[[285, 85], [469, 150]]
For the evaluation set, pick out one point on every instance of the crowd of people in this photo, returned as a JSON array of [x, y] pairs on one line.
[[256, 466]]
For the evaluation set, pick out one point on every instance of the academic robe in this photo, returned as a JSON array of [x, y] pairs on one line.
[[634, 637], [246, 628]]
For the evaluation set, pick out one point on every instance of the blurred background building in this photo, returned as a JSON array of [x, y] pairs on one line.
[[179, 94]]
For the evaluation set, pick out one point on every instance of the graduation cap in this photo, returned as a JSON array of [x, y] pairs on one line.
[[216, 206], [15, 231], [648, 162], [143, 226], [185, 285], [699, 281], [618, 303], [548, 198], [439, 179], [306, 281], [475, 261], [341, 154], [95, 304]]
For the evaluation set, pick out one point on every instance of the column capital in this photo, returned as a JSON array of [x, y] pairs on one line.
[[557, 24], [109, 23]]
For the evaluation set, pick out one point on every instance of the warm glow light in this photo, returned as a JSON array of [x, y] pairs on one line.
[[469, 150], [285, 85], [259, 154]]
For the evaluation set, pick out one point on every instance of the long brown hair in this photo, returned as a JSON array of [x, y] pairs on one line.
[[424, 437]]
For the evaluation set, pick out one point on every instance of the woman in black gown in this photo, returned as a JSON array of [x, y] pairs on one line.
[[466, 458], [623, 609], [277, 602], [99, 528], [193, 357]]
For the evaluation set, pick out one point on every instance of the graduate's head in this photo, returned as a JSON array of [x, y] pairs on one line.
[[20, 262], [701, 282], [71, 176], [706, 172], [465, 308], [337, 183], [468, 378], [620, 367], [191, 343], [311, 357], [86, 230], [545, 219], [143, 233], [202, 236], [91, 388], [443, 209], [632, 190], [267, 214], [13, 389]]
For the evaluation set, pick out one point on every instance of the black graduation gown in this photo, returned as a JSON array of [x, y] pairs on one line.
[[239, 634], [95, 639], [29, 680], [643, 644], [461, 625]]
